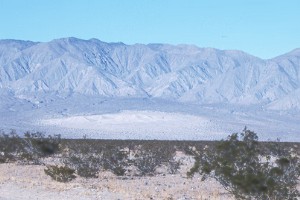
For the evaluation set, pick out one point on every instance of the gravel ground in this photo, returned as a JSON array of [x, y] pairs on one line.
[[30, 182]]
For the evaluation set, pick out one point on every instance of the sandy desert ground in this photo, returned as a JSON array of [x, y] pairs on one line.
[[28, 182]]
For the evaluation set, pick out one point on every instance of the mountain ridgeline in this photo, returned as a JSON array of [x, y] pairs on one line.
[[184, 73]]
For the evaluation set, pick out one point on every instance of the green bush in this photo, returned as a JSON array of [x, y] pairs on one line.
[[119, 170], [60, 174], [173, 166], [242, 166], [88, 157], [115, 160], [41, 145], [195, 168], [10, 146], [149, 157], [86, 165]]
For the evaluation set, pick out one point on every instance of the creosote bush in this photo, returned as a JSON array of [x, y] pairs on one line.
[[88, 158], [60, 173], [149, 157], [248, 169], [42, 145], [37, 145], [10, 146], [86, 165], [244, 168], [29, 148], [115, 160]]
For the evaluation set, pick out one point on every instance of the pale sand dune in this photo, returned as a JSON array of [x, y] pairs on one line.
[[139, 124]]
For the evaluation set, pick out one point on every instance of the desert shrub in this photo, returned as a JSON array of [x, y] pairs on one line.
[[37, 145], [150, 156], [242, 166], [195, 168], [88, 157], [42, 145], [173, 166], [86, 165], [119, 170], [60, 173], [87, 171], [10, 146], [83, 156], [146, 162], [115, 160], [31, 147]]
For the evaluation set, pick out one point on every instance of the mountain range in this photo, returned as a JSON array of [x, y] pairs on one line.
[[180, 73]]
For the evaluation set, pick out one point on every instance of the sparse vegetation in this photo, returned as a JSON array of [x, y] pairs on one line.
[[195, 168], [247, 171], [36, 146], [247, 168], [29, 148], [148, 157], [10, 146], [86, 166], [60, 173], [41, 145]]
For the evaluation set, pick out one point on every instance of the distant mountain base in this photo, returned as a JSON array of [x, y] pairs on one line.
[[127, 118]]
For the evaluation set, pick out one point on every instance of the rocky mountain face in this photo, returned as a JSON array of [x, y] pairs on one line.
[[183, 73]]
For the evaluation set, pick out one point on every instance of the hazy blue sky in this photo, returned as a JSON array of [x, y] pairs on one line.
[[264, 28]]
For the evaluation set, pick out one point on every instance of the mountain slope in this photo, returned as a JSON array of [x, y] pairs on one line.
[[178, 73]]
